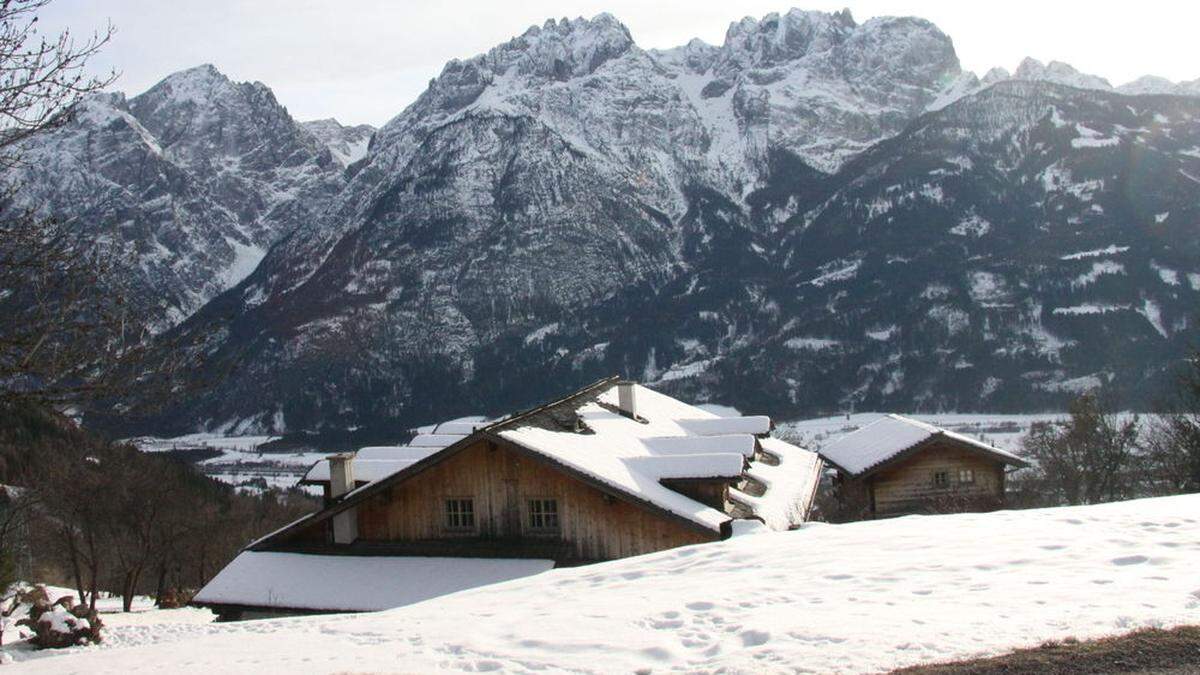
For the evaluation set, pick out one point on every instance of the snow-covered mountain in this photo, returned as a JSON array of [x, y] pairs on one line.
[[348, 144], [195, 179], [1058, 72], [816, 214]]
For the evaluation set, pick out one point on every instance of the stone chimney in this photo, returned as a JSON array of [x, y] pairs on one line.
[[341, 481], [627, 399], [341, 474]]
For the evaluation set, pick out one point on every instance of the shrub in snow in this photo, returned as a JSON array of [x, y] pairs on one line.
[[175, 598], [60, 624]]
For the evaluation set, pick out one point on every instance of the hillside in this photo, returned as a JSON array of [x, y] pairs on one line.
[[825, 598]]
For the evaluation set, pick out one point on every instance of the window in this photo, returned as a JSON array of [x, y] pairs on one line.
[[460, 514], [941, 479], [543, 514], [966, 476]]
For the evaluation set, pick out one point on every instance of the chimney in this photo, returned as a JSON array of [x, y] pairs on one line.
[[626, 399], [341, 474], [341, 481]]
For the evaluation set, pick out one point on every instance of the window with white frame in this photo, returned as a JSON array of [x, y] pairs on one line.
[[460, 514], [543, 515], [966, 476]]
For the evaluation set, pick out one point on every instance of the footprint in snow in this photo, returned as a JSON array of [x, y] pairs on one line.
[[754, 638], [699, 606], [1129, 560]]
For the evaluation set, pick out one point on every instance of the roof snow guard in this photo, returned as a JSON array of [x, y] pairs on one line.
[[587, 435], [872, 447]]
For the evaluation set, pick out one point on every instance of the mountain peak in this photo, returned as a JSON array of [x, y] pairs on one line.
[[1059, 73], [1154, 85], [199, 85], [775, 38]]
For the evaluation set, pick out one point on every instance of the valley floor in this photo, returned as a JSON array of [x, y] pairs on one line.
[[862, 597]]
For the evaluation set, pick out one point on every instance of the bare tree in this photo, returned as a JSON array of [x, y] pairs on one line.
[[41, 77], [1088, 458], [63, 320], [1173, 442]]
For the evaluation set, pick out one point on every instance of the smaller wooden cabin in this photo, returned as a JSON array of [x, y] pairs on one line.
[[897, 465]]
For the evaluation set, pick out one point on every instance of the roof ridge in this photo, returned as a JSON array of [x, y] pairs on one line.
[[506, 422]]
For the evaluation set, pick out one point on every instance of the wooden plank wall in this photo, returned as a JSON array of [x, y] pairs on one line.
[[909, 484], [593, 526]]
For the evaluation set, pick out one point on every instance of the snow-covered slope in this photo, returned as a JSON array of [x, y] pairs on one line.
[[992, 253], [863, 597]]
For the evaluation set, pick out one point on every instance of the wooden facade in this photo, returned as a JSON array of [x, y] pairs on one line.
[[421, 515], [941, 476]]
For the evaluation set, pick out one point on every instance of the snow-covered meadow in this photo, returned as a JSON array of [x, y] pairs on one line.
[[119, 626], [860, 597], [239, 460]]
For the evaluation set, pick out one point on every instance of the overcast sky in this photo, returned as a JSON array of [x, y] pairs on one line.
[[365, 60]]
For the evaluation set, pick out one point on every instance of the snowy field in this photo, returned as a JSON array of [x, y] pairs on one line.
[[119, 627], [241, 463], [861, 597]]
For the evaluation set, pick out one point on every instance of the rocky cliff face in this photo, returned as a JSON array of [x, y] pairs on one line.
[[194, 179], [815, 215]]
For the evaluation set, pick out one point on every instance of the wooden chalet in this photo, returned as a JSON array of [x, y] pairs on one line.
[[610, 471], [897, 466]]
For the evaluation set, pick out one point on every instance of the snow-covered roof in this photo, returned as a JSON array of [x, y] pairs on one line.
[[380, 461], [670, 440], [714, 426], [890, 435], [459, 426], [365, 470], [323, 582]]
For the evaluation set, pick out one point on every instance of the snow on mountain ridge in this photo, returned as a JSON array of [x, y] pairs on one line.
[[1063, 73], [1059, 73]]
